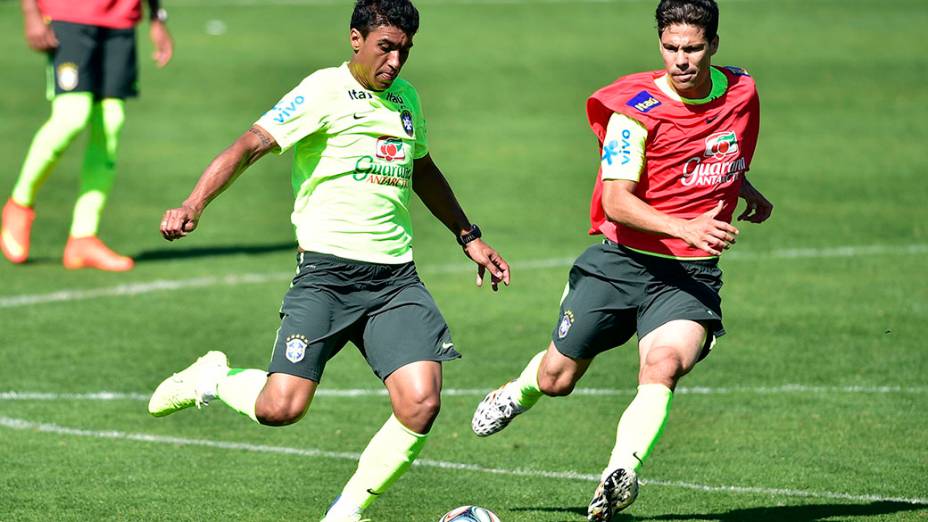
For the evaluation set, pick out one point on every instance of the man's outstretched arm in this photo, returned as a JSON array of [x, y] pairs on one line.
[[221, 172], [432, 188]]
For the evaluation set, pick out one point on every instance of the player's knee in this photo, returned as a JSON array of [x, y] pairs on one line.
[[662, 365], [555, 384], [418, 413], [279, 411]]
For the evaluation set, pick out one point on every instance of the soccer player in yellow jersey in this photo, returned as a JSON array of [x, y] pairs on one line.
[[360, 150]]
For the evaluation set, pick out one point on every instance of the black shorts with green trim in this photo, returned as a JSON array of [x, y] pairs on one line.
[[94, 59], [613, 293], [384, 310]]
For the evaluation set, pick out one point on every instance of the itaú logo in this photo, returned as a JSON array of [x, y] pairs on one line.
[[697, 173], [721, 144]]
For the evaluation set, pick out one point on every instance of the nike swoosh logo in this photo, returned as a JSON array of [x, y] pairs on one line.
[[446, 346], [372, 492], [360, 116], [710, 120]]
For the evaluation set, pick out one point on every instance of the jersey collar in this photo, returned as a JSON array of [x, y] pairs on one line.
[[719, 86]]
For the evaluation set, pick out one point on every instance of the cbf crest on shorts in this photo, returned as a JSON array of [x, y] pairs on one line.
[[296, 348], [67, 76], [566, 322]]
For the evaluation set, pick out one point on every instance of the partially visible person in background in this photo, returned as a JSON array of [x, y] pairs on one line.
[[92, 69]]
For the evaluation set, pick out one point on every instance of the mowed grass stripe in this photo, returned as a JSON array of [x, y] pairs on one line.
[[21, 424], [164, 285], [480, 392]]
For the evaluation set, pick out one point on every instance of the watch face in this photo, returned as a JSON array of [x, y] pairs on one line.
[[473, 234]]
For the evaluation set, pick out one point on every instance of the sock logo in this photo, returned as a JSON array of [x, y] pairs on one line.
[[296, 348]]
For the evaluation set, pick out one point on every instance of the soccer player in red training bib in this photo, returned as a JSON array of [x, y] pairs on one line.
[[92, 70], [675, 147]]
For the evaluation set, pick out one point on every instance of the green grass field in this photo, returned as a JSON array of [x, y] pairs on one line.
[[812, 408]]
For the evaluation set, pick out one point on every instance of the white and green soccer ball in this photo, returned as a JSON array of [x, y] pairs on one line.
[[469, 514]]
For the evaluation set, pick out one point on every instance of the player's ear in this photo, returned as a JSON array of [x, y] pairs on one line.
[[714, 46], [356, 39]]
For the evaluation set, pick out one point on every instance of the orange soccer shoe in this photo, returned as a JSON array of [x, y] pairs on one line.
[[90, 252], [14, 237]]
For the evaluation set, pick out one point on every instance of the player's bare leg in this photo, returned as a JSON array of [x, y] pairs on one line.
[[283, 400], [548, 373], [558, 374], [666, 354], [415, 394]]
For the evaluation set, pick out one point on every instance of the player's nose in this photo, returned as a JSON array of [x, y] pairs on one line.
[[394, 60]]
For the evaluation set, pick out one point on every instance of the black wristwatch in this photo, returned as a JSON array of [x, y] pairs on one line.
[[469, 236]]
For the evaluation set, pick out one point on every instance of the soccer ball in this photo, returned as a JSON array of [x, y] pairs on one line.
[[469, 514]]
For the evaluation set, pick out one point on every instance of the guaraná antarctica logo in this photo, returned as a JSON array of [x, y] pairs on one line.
[[388, 166], [716, 166]]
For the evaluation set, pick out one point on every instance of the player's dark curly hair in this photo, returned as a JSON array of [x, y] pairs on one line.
[[699, 13], [371, 14]]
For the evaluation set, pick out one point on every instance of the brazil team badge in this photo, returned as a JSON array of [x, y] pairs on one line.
[[296, 348], [67, 76], [406, 118], [566, 322]]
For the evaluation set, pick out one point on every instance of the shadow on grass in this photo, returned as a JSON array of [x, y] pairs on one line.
[[169, 252], [805, 513], [163, 254]]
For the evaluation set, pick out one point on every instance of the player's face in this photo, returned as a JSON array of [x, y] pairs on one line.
[[379, 57], [687, 55]]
